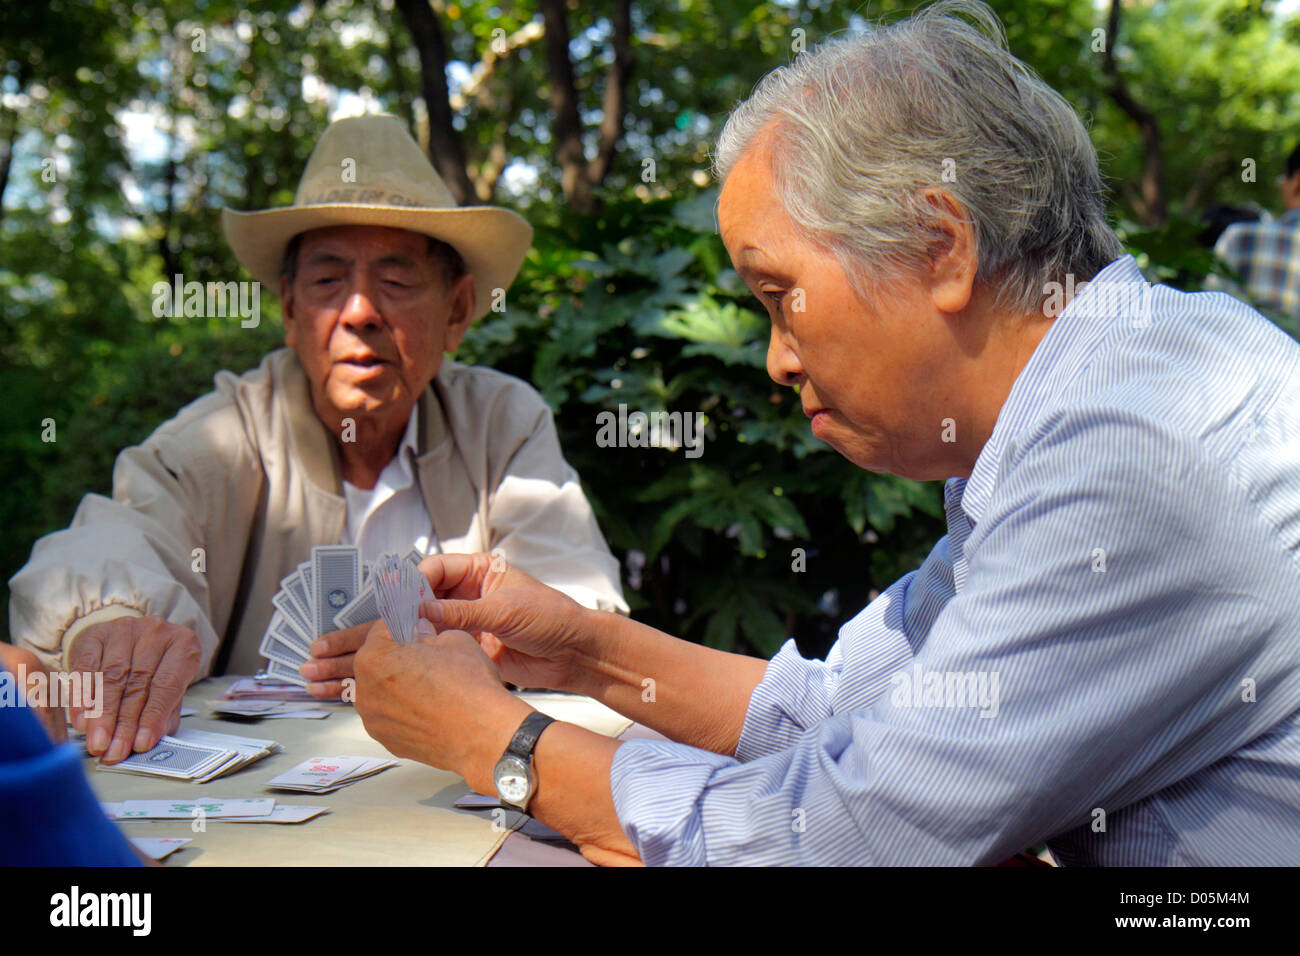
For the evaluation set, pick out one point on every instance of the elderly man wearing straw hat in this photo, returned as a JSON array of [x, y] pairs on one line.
[[359, 432]]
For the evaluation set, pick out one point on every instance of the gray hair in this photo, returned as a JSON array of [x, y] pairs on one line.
[[862, 125]]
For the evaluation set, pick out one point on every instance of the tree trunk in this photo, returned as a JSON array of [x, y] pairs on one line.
[[171, 261], [490, 170], [393, 54], [1153, 206], [9, 126], [564, 108], [445, 149], [8, 136], [615, 102]]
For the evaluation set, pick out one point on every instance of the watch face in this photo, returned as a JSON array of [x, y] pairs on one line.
[[511, 775]]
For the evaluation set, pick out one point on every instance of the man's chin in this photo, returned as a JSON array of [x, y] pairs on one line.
[[359, 400], [866, 458]]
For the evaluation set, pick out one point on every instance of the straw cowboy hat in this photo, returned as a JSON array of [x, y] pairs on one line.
[[368, 171]]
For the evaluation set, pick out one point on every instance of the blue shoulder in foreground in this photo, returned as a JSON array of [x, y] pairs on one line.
[[49, 816]]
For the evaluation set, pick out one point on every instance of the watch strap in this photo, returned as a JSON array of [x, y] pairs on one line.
[[525, 738]]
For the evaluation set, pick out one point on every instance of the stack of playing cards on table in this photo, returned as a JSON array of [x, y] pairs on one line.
[[196, 755], [242, 810], [332, 591], [264, 710], [255, 698], [325, 774], [265, 688]]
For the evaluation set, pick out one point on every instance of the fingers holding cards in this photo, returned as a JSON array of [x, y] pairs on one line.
[[324, 609], [333, 661]]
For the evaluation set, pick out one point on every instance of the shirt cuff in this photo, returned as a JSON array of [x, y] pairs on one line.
[[657, 787]]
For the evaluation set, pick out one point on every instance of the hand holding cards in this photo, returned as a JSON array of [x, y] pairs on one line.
[[333, 591]]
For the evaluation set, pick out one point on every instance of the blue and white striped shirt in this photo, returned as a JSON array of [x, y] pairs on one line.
[[1103, 652]]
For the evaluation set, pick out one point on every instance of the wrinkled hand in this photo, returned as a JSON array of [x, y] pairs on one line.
[[147, 663], [51, 718], [332, 658], [438, 700], [530, 631]]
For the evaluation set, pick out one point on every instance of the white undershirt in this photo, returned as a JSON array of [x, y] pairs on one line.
[[392, 516]]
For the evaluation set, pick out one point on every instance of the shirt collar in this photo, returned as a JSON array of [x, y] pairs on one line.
[[1117, 294], [407, 450]]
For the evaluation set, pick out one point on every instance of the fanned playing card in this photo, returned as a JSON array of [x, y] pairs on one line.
[[399, 589], [336, 580]]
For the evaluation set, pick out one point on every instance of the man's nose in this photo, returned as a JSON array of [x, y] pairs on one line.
[[782, 363], [359, 310]]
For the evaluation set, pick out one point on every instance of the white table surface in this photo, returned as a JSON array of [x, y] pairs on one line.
[[400, 817]]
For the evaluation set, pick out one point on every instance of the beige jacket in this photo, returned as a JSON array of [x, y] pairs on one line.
[[227, 498]]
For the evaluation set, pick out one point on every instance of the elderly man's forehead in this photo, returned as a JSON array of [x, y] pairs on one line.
[[335, 237], [358, 233]]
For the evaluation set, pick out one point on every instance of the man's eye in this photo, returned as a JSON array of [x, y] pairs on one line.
[[773, 296], [324, 281]]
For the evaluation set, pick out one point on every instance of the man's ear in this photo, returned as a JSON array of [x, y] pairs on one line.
[[286, 313], [954, 261], [464, 298]]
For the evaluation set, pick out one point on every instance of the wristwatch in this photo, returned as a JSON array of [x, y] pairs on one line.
[[513, 773]]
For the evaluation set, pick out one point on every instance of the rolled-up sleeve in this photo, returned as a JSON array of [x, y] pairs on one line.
[[659, 787], [797, 693]]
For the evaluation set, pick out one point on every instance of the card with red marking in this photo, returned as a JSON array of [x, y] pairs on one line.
[[323, 774]]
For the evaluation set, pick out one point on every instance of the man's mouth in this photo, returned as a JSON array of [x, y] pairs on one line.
[[817, 418], [363, 361]]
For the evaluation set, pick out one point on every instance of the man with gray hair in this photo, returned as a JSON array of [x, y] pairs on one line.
[[863, 125], [1101, 654]]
